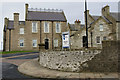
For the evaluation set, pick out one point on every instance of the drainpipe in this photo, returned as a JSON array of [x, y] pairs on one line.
[[9, 39], [52, 34], [40, 32], [4, 41], [91, 39]]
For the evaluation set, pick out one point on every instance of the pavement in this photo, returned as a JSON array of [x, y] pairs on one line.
[[32, 68]]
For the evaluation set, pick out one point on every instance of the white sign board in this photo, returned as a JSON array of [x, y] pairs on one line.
[[65, 40]]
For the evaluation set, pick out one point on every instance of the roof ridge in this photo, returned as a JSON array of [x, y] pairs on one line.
[[44, 12], [13, 20]]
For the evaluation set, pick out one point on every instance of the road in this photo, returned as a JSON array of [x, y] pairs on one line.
[[10, 62]]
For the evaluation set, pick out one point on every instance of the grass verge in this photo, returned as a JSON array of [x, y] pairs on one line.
[[12, 52]]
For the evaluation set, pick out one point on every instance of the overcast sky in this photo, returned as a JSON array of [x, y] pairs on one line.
[[72, 10]]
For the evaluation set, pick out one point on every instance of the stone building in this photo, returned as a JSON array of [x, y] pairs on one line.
[[74, 29], [40, 26], [104, 27]]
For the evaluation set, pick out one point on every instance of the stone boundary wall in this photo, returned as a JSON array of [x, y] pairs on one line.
[[108, 60], [66, 60]]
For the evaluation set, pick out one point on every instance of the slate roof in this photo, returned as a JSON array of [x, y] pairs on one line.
[[46, 16], [82, 25], [115, 15], [73, 27], [95, 17], [11, 24], [106, 19]]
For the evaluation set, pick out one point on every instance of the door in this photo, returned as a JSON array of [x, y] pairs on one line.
[[46, 43], [84, 41]]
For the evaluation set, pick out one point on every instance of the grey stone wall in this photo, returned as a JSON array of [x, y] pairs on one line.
[[66, 60]]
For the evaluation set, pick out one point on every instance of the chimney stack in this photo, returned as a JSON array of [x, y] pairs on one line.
[[105, 11], [16, 19], [6, 22], [26, 10], [77, 24]]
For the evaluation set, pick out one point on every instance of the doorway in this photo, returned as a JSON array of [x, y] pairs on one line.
[[46, 43], [84, 41]]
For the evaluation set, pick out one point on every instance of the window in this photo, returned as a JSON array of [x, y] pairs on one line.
[[34, 43], [21, 42], [98, 39], [104, 38], [34, 27], [46, 27], [58, 29], [56, 43], [21, 30], [101, 27]]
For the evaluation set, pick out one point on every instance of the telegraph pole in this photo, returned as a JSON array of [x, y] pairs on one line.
[[86, 24]]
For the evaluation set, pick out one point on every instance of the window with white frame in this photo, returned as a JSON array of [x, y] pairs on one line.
[[21, 30], [46, 27], [98, 41], [34, 42], [34, 27], [21, 42], [101, 27], [104, 38], [58, 28], [55, 42]]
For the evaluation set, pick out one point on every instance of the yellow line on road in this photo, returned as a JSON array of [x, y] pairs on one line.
[[17, 56]]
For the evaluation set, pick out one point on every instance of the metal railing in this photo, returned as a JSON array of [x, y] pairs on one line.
[[45, 10]]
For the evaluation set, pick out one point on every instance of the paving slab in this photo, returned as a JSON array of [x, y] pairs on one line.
[[97, 75], [89, 75]]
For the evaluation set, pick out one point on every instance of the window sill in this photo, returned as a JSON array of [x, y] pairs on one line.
[[34, 32], [21, 46], [98, 43], [58, 32], [35, 47], [46, 32]]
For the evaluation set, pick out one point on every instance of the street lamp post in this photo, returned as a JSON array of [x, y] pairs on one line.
[[86, 24]]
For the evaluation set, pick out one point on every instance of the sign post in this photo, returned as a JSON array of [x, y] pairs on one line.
[[65, 40]]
